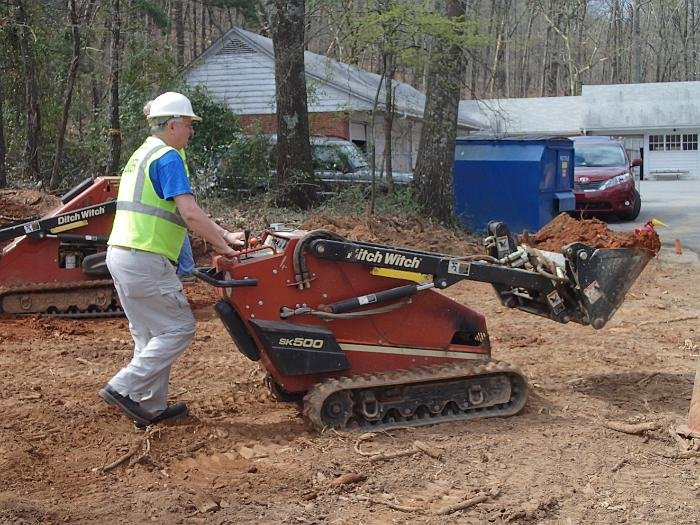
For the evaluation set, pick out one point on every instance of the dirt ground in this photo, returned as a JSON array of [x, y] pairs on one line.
[[241, 457]]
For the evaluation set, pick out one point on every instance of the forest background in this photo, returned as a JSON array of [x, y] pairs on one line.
[[70, 69]]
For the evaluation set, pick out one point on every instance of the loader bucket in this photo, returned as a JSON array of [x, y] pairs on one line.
[[602, 277]]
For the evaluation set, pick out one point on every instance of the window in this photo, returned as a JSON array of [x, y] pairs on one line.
[[690, 142], [595, 155], [656, 142], [673, 142], [329, 158]]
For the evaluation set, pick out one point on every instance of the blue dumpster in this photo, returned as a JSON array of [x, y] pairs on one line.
[[524, 181]]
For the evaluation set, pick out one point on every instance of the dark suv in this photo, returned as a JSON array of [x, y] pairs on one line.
[[603, 180], [339, 162], [247, 164]]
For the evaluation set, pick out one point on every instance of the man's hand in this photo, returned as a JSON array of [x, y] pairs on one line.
[[202, 225], [235, 238]]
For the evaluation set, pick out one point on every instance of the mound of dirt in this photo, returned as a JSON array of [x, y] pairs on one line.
[[422, 234], [564, 229], [418, 234], [396, 231], [19, 204]]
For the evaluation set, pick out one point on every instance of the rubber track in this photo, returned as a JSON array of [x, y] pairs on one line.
[[40, 288], [314, 399]]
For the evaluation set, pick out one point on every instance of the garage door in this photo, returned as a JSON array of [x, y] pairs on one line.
[[672, 155]]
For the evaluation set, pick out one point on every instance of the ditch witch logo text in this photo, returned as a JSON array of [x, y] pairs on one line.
[[81, 215], [391, 259]]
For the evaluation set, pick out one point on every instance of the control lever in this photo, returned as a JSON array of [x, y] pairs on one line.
[[246, 239]]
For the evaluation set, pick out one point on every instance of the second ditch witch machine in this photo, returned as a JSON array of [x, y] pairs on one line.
[[361, 336], [55, 264]]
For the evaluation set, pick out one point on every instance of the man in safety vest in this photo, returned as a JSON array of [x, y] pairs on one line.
[[185, 261], [155, 206]]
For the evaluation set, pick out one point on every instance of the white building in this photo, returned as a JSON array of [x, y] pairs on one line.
[[659, 122]]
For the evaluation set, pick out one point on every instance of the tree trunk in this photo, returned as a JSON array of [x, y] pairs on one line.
[[204, 29], [114, 133], [686, 55], [373, 146], [545, 61], [389, 72], [433, 176], [497, 77], [31, 96], [552, 88], [56, 176], [215, 23], [692, 52], [3, 168], [525, 61], [193, 26], [581, 53], [295, 181], [616, 51], [179, 33], [636, 44]]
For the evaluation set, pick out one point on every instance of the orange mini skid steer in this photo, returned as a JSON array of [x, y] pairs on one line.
[[55, 264], [361, 335]]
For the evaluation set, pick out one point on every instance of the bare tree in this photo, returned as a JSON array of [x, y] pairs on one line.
[[615, 37], [295, 182], [525, 75], [563, 21], [31, 94], [636, 43], [692, 44], [433, 174], [56, 177], [389, 67], [114, 133], [3, 167], [178, 16], [389, 72], [203, 30], [497, 77]]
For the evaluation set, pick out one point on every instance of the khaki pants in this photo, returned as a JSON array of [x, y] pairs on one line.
[[160, 320]]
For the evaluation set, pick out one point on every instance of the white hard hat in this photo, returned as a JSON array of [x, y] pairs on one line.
[[172, 104]]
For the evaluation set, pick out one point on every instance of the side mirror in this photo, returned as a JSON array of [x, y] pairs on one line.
[[636, 162]]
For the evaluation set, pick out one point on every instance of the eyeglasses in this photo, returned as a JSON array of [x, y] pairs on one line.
[[176, 119], [186, 124]]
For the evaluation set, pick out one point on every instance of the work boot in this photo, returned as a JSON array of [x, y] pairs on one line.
[[131, 408], [173, 412]]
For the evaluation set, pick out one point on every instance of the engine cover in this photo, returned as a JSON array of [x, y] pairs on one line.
[[297, 349]]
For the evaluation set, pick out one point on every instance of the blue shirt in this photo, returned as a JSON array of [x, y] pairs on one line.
[[168, 176]]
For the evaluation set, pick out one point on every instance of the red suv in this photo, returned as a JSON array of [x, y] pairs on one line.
[[603, 181]]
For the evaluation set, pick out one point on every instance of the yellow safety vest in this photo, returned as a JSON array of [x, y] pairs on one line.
[[143, 220]]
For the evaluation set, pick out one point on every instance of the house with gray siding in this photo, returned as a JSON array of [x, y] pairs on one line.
[[239, 70], [659, 122]]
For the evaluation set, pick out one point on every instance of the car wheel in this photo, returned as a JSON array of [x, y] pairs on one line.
[[630, 216]]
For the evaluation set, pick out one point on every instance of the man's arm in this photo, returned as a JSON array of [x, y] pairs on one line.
[[203, 226]]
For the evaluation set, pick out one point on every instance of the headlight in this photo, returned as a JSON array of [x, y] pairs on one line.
[[616, 181]]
